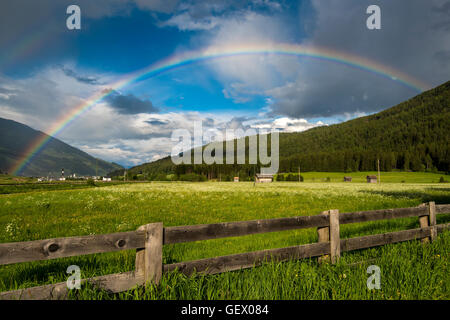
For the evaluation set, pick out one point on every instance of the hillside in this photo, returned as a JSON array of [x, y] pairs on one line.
[[413, 135], [16, 137]]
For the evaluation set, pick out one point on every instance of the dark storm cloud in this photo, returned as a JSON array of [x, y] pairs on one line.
[[84, 79], [336, 90], [129, 104], [28, 95], [237, 123], [414, 39], [156, 122], [35, 33], [207, 15], [208, 122]]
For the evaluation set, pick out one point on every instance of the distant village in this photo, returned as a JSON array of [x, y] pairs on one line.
[[72, 177], [259, 178]]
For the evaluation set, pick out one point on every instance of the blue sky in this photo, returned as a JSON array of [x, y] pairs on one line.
[[46, 70]]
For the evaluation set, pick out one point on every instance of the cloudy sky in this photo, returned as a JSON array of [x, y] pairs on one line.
[[47, 70]]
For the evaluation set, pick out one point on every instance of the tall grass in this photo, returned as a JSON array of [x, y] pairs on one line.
[[61, 213], [409, 270]]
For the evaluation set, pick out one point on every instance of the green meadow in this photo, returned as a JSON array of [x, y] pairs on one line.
[[389, 177], [410, 270]]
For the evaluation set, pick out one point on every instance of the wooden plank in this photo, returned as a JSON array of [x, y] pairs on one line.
[[127, 280], [149, 259], [442, 227], [383, 239], [335, 244], [112, 283], [153, 252], [374, 215], [249, 259], [424, 223], [66, 247], [432, 220], [323, 234], [442, 208], [140, 255], [241, 228], [16, 252]]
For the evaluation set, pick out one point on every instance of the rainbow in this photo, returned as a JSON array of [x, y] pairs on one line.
[[188, 58]]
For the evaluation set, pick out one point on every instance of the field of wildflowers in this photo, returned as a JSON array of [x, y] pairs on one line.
[[60, 213]]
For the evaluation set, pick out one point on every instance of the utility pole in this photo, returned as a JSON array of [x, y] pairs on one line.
[[378, 165]]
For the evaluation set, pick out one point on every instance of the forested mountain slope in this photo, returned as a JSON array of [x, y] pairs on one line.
[[16, 137], [413, 135]]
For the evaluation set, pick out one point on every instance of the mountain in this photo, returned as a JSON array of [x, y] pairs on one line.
[[413, 135], [16, 137]]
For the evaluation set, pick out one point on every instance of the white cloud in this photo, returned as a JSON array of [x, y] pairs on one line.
[[286, 124], [101, 130], [414, 41], [411, 40], [185, 22], [256, 71], [49, 94], [294, 89]]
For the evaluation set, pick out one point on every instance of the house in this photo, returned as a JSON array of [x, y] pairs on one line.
[[372, 179], [106, 179], [236, 179], [347, 179], [264, 177]]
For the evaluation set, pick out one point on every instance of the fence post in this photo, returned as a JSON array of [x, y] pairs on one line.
[[324, 236], [424, 223], [149, 258], [432, 220], [335, 240]]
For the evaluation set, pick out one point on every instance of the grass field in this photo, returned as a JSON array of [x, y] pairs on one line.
[[386, 177], [9, 184], [410, 270]]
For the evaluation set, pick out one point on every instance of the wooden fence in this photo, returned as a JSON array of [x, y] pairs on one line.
[[148, 240]]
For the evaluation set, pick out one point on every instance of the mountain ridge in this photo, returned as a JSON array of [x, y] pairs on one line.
[[55, 155]]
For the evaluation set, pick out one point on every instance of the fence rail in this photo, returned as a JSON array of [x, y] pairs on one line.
[[149, 240]]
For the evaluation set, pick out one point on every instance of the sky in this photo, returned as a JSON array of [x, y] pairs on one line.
[[47, 70]]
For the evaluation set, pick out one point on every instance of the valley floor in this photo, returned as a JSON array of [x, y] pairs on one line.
[[410, 270]]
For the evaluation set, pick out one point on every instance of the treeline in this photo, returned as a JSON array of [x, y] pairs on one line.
[[351, 161], [412, 136], [204, 173]]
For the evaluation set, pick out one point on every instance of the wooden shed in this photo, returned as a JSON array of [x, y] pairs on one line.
[[264, 177], [372, 179], [347, 179]]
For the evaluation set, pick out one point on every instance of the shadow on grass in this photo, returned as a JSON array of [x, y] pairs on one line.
[[39, 273], [33, 275]]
